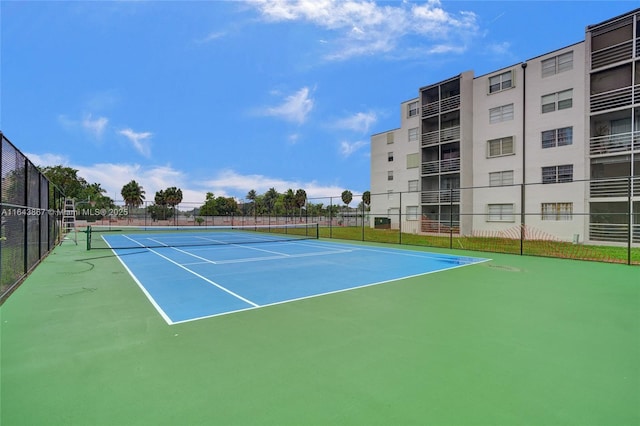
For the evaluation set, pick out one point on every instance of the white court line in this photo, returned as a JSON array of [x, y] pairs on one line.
[[332, 292], [162, 313], [198, 275], [258, 259]]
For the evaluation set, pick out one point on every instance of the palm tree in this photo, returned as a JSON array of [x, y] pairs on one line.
[[366, 197], [133, 194], [161, 201], [301, 199], [173, 197], [289, 200], [347, 196], [252, 195], [270, 198]]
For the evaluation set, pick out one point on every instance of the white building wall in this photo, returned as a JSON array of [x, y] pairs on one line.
[[483, 132], [390, 198], [574, 154]]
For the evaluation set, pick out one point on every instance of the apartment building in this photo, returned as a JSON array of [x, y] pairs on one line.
[[548, 143]]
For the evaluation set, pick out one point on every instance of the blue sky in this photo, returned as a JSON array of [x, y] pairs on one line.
[[232, 96]]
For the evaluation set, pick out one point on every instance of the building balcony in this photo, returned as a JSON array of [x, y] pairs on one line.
[[613, 54], [615, 232], [443, 105], [441, 166], [619, 142], [614, 187], [444, 135], [625, 96], [442, 196]]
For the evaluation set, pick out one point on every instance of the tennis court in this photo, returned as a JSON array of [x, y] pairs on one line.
[[514, 340], [193, 274]]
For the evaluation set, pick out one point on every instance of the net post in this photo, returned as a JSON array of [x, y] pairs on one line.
[[88, 231]]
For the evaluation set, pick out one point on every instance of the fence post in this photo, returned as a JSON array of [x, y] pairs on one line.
[[363, 220], [522, 218], [451, 217], [400, 218], [25, 239], [330, 217], [630, 219]]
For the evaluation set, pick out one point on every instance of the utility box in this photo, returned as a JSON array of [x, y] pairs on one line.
[[382, 223]]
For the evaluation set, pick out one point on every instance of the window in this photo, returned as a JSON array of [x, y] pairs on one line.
[[557, 101], [501, 113], [500, 147], [413, 160], [557, 211], [557, 64], [390, 156], [501, 178], [389, 138], [412, 212], [412, 109], [413, 186], [500, 82], [390, 195], [390, 175], [413, 134], [557, 137], [557, 174], [500, 213]]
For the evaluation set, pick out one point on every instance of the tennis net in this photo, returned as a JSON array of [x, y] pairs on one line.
[[136, 237]]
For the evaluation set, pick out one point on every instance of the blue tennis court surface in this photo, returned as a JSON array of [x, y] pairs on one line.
[[190, 283]]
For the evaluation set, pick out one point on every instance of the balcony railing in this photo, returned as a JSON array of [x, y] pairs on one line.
[[617, 98], [442, 196], [445, 135], [617, 232], [613, 187], [619, 142], [441, 166], [612, 54], [443, 105]]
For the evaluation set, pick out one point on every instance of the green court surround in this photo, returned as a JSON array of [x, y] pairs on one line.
[[514, 341]]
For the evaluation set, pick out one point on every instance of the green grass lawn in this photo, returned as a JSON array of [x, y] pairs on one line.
[[546, 248]]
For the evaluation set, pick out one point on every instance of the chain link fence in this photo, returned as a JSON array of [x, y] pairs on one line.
[[30, 217], [557, 220]]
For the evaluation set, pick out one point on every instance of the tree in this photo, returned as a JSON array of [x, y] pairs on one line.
[[133, 194], [252, 196], [173, 197], [67, 179], [289, 201], [301, 199], [160, 210], [366, 197], [347, 196], [209, 206], [270, 198]]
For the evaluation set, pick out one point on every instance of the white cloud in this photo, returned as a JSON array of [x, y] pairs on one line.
[[226, 183], [231, 182], [211, 37], [112, 177], [139, 140], [45, 160], [365, 27], [295, 107], [348, 148], [294, 138], [358, 122], [95, 127]]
